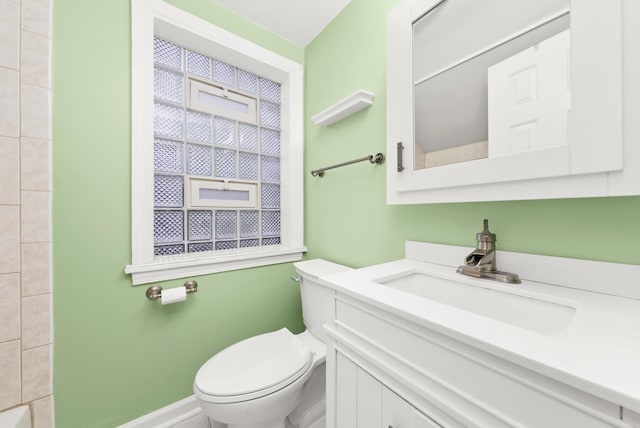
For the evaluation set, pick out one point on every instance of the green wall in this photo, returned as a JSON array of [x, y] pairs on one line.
[[346, 219], [118, 355]]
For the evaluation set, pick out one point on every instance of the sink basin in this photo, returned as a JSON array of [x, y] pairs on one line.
[[542, 314]]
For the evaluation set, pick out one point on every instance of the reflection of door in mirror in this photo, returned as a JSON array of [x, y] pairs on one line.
[[490, 79]]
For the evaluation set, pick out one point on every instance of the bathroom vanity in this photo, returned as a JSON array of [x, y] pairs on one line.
[[415, 345]]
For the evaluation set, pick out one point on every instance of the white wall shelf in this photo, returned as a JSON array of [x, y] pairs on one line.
[[346, 107]]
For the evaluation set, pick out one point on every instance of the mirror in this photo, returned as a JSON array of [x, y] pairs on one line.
[[490, 79]]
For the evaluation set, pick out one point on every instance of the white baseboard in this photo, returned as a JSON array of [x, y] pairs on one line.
[[167, 416]]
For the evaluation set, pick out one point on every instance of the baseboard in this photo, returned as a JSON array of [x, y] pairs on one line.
[[167, 416]]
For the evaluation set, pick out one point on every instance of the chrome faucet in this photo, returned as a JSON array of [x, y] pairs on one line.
[[481, 262]]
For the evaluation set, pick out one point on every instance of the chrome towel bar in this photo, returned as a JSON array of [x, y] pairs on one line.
[[375, 159]]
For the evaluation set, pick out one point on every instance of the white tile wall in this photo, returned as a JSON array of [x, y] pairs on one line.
[[36, 373], [34, 120], [25, 213], [42, 410], [36, 321], [9, 307], [10, 105], [35, 217], [34, 164], [9, 238], [36, 276], [10, 374], [34, 59], [36, 16], [9, 171], [9, 33]]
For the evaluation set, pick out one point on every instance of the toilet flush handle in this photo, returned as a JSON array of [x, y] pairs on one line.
[[297, 279]]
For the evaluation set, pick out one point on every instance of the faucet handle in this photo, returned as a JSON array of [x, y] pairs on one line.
[[485, 235]]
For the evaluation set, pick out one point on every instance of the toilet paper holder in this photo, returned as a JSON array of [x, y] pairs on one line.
[[155, 292]]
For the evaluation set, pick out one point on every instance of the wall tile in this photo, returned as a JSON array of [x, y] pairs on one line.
[[36, 373], [36, 321], [43, 412], [9, 33], [35, 221], [25, 208], [36, 16], [9, 374], [34, 112], [9, 239], [9, 307], [35, 164], [10, 105], [9, 171], [36, 262], [34, 59]]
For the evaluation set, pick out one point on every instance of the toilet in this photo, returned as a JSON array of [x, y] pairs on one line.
[[264, 380]]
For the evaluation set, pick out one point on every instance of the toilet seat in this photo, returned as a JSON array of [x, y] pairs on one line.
[[253, 368]]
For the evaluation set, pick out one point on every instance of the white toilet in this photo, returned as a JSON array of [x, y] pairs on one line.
[[258, 382]]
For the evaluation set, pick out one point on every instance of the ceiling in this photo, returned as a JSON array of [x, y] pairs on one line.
[[298, 21]]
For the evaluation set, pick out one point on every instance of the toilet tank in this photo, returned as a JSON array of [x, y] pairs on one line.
[[317, 299]]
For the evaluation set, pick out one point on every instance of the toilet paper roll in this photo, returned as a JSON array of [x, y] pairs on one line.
[[173, 295]]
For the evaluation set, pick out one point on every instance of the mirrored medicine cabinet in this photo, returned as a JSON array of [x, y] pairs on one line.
[[504, 100]]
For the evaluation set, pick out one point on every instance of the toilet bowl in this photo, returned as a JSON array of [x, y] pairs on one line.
[[258, 382]]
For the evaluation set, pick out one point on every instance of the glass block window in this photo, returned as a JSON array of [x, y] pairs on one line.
[[199, 65], [191, 143], [247, 82]]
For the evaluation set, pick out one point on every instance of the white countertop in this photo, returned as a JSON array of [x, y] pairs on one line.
[[599, 352]]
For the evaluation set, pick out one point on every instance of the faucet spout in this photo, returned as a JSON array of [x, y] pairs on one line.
[[481, 262]]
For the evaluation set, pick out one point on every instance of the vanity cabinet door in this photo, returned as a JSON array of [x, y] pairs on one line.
[[631, 418], [362, 401], [358, 396], [397, 413], [346, 392]]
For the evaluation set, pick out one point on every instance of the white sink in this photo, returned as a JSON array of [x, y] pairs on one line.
[[543, 314]]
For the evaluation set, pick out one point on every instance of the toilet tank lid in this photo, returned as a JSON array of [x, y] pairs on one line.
[[316, 268]]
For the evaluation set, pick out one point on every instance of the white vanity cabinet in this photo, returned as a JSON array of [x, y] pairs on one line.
[[398, 413], [386, 370], [631, 418], [364, 402]]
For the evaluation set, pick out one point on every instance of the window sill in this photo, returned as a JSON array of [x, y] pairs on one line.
[[187, 265]]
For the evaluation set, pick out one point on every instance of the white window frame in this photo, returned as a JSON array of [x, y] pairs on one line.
[[155, 17]]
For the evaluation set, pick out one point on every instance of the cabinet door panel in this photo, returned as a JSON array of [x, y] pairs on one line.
[[346, 392], [421, 421], [631, 418], [369, 401], [397, 413]]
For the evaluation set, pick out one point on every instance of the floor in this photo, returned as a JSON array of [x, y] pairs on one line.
[[201, 421], [197, 421]]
